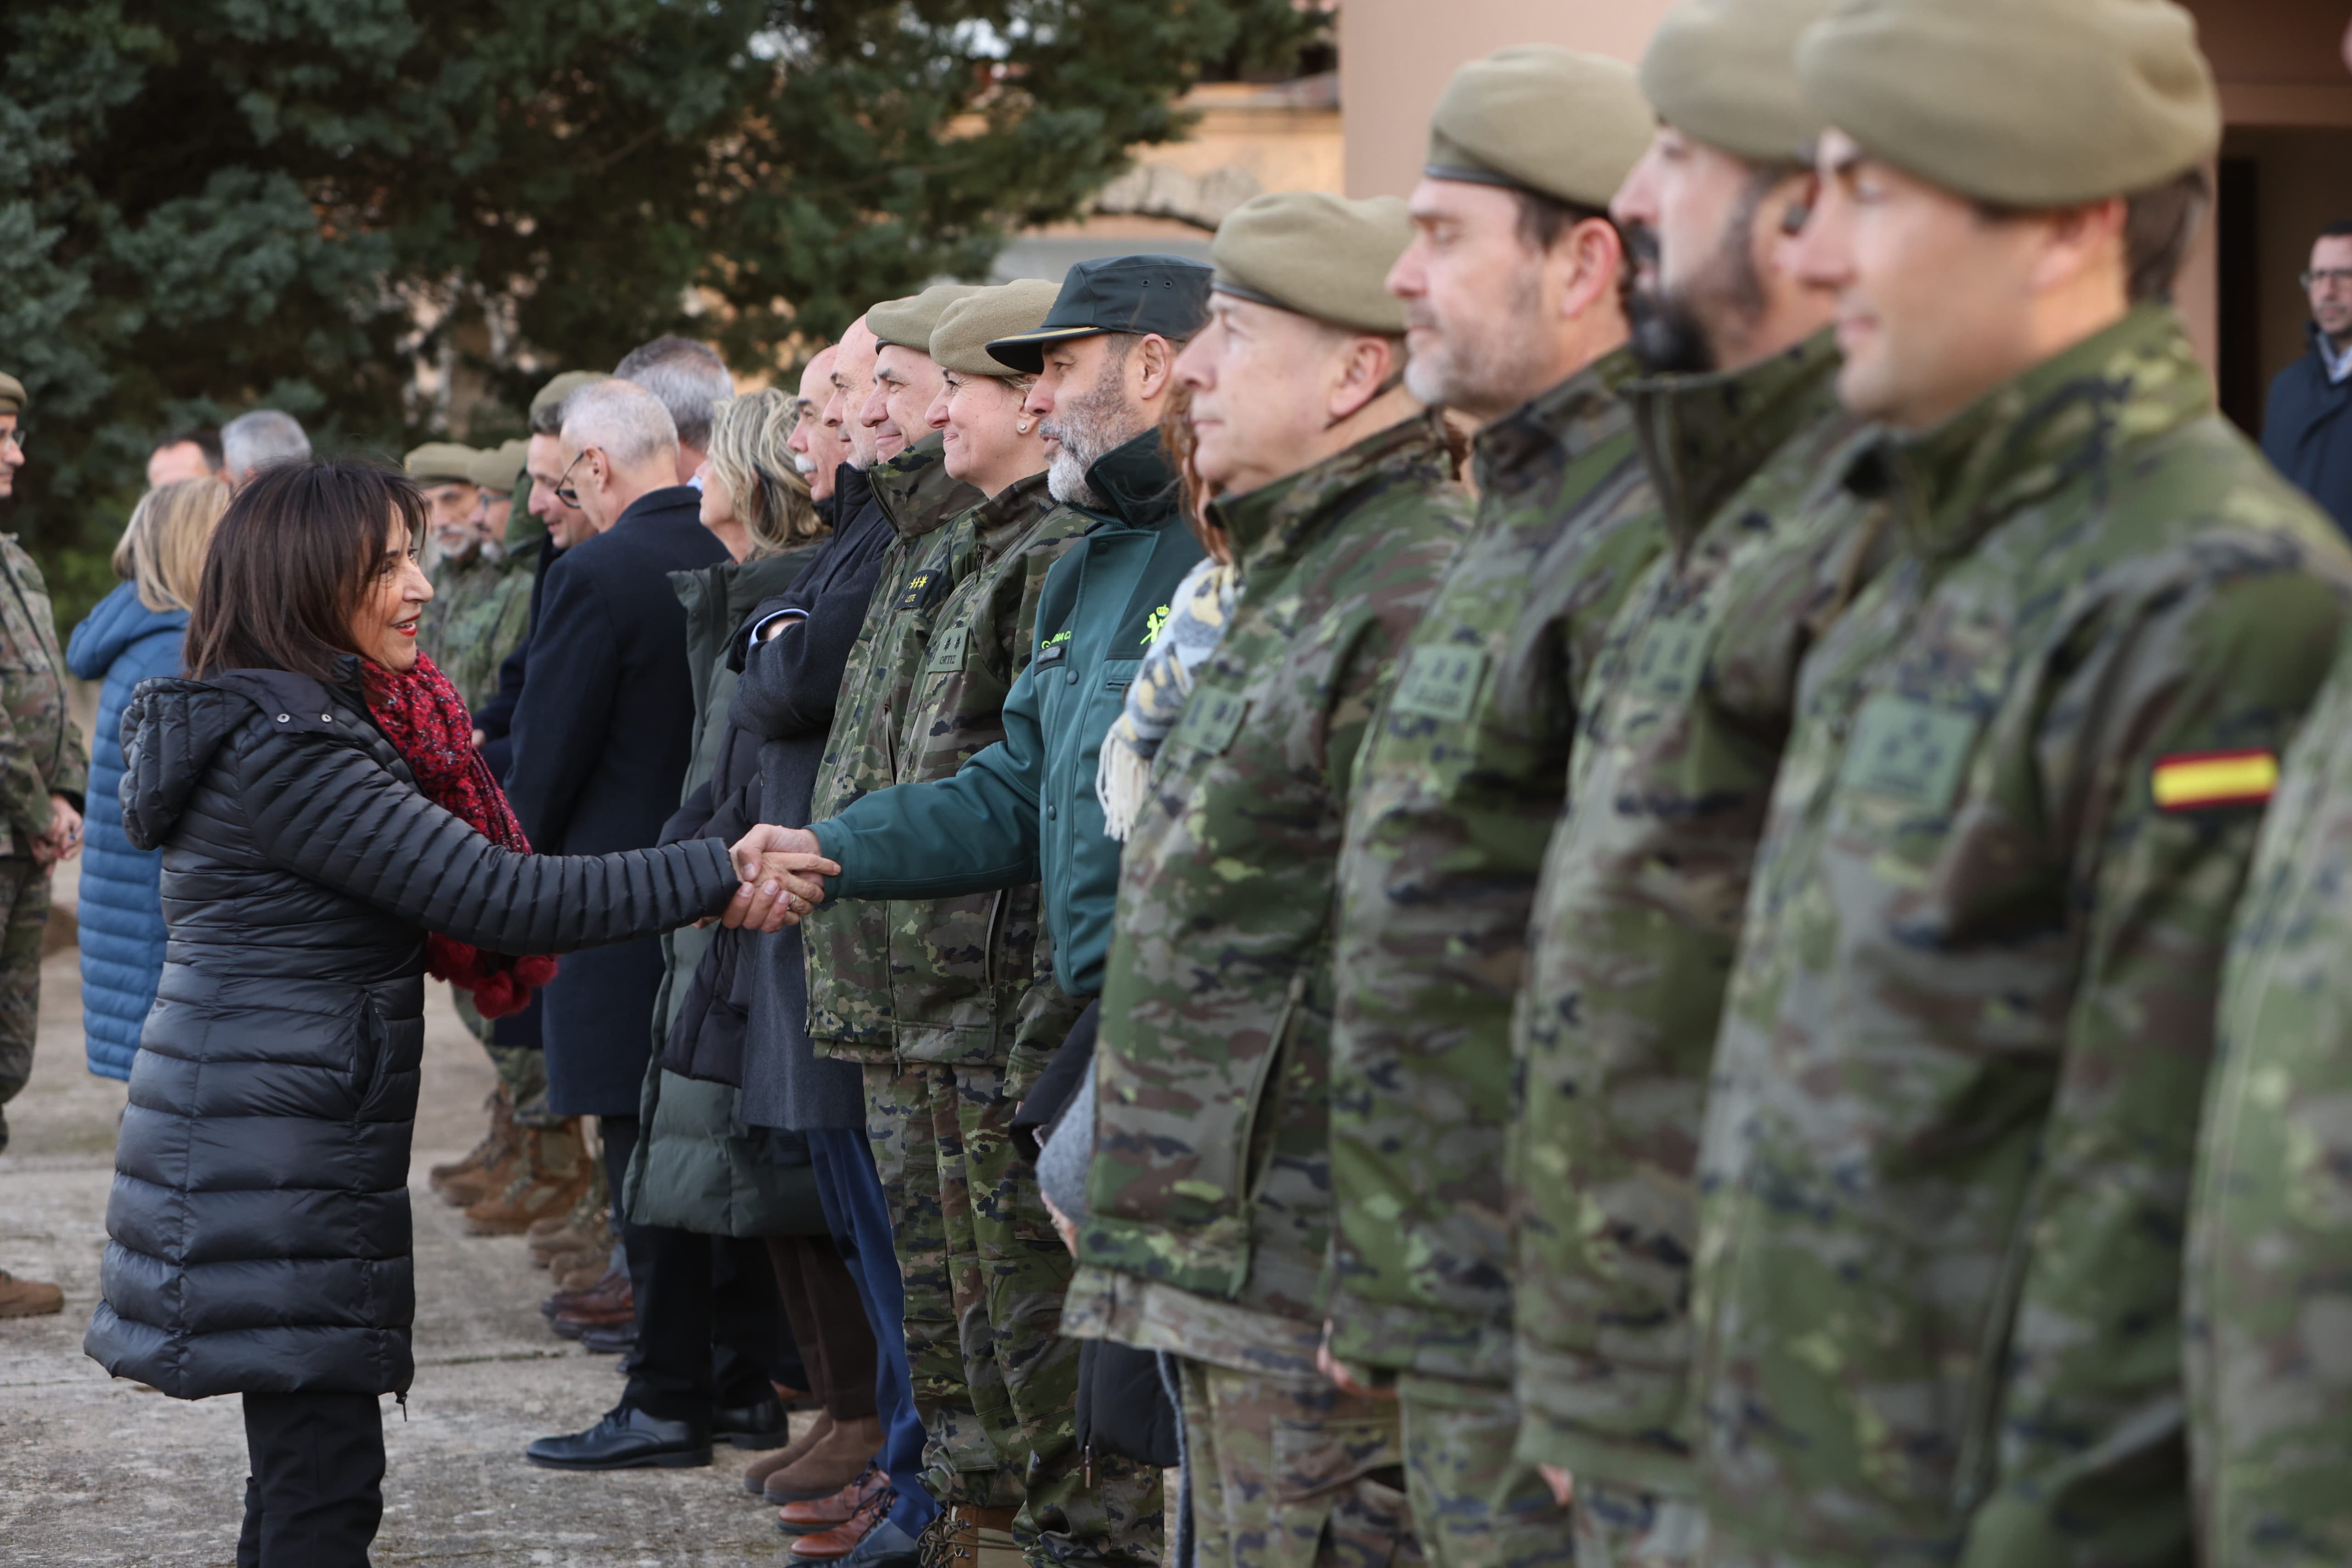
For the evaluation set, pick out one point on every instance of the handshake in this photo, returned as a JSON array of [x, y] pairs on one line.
[[784, 879]]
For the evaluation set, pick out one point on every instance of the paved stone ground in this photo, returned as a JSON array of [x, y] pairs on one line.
[[95, 1471]]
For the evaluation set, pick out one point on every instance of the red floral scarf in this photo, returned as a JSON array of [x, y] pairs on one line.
[[425, 720]]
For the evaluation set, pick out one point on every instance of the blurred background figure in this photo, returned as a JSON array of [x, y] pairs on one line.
[[688, 379], [196, 455], [133, 634], [444, 472], [2305, 430], [251, 442]]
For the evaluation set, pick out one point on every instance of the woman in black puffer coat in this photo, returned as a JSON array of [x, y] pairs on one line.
[[258, 1228]]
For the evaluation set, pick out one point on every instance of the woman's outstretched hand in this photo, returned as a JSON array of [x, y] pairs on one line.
[[783, 877]]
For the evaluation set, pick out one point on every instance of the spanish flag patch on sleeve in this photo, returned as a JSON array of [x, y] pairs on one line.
[[2193, 781]]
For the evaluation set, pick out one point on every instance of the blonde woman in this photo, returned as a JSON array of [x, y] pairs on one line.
[[134, 633], [753, 495]]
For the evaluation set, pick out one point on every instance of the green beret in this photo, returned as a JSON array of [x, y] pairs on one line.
[[500, 468], [908, 322], [12, 395], [441, 463], [1724, 72], [2025, 103], [1541, 117], [563, 386], [1319, 255], [959, 343]]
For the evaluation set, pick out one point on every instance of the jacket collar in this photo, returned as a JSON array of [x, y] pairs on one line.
[[1704, 437], [2022, 441], [999, 521], [1576, 415], [1134, 483], [669, 498], [851, 489], [916, 490], [1274, 522]]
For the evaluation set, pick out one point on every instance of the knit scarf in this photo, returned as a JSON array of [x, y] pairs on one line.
[[1198, 613], [426, 722]]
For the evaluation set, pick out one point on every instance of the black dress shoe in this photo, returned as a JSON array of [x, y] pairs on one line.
[[762, 1424], [611, 1341], [626, 1440]]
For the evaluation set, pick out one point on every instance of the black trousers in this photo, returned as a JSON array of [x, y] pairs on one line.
[[709, 1326], [315, 1495]]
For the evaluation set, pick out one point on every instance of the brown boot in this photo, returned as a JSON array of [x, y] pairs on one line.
[[964, 1536], [588, 1228], [549, 1178], [755, 1475], [27, 1298], [830, 1463], [576, 1271], [469, 1180]]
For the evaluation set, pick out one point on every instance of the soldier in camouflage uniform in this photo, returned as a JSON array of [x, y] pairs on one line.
[[1209, 1196], [1945, 1171], [43, 771], [1462, 773], [1683, 716]]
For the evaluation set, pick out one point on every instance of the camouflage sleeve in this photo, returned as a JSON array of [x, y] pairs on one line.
[[2088, 1427], [23, 793], [72, 777]]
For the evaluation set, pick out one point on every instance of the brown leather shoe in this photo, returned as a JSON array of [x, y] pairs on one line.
[[609, 1291], [469, 1180], [755, 1475], [962, 1536], [833, 1461], [839, 1510], [550, 1174], [577, 1271], [29, 1298]]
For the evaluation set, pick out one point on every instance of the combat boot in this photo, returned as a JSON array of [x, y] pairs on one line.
[[27, 1298], [550, 1175], [964, 1536], [469, 1181], [586, 1231]]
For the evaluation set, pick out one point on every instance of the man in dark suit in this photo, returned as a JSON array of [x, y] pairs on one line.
[[2306, 430], [601, 736]]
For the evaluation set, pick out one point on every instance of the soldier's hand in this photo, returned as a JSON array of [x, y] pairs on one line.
[[1337, 1371], [1563, 1484], [62, 841], [766, 840], [480, 738], [782, 888], [1064, 1225]]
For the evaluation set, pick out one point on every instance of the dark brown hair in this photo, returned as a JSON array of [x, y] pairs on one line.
[[2159, 225], [1181, 448], [294, 556]]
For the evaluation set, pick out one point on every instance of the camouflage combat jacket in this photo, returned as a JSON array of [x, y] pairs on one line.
[[971, 978], [1638, 909], [1461, 780], [848, 945], [1945, 1171], [41, 750], [479, 613], [2269, 1283], [1212, 1169]]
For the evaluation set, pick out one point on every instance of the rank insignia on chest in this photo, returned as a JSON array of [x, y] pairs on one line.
[[1910, 753], [2195, 781], [917, 590], [1441, 682]]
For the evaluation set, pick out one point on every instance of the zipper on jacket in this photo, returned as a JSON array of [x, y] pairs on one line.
[[373, 1036], [988, 950], [1245, 1189]]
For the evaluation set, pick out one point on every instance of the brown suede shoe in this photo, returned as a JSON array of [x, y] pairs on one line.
[[833, 1461], [576, 1271], [469, 1181], [550, 1176], [837, 1512], [755, 1475], [27, 1298]]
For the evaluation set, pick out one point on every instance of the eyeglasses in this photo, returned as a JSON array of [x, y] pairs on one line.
[[2333, 277], [12, 439], [569, 494]]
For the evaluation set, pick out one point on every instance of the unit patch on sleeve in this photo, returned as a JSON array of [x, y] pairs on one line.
[[2194, 781]]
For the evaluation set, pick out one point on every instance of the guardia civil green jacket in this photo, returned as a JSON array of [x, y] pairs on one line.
[[1023, 810], [41, 751], [848, 945], [1945, 1169], [1212, 1168], [2269, 1292], [1462, 773], [1634, 918]]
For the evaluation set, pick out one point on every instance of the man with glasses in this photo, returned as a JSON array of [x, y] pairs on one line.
[[2305, 430], [42, 767]]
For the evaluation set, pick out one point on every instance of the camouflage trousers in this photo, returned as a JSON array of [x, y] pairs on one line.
[[1474, 1505], [25, 904], [522, 1071], [1624, 1526], [995, 1381], [1290, 1472]]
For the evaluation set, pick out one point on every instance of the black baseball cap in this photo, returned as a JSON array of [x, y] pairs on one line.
[[1164, 294]]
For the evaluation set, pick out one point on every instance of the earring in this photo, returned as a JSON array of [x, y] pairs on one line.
[[1021, 428]]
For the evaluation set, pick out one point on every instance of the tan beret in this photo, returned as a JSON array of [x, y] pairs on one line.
[[907, 322], [1724, 72], [1319, 255], [2027, 103], [1541, 117], [500, 468], [563, 386], [959, 343], [12, 395], [441, 463]]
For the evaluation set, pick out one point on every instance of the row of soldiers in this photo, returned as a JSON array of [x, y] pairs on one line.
[[1760, 984]]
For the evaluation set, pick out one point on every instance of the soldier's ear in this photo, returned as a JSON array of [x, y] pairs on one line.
[[1152, 362]]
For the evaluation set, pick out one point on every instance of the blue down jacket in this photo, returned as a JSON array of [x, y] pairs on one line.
[[120, 643], [258, 1229]]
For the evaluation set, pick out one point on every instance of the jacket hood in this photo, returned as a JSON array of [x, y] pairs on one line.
[[118, 621], [1135, 482], [172, 729]]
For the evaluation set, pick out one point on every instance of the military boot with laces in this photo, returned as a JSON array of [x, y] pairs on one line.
[[469, 1180], [962, 1536], [550, 1176]]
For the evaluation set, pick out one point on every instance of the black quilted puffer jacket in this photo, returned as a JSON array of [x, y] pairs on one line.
[[258, 1229]]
